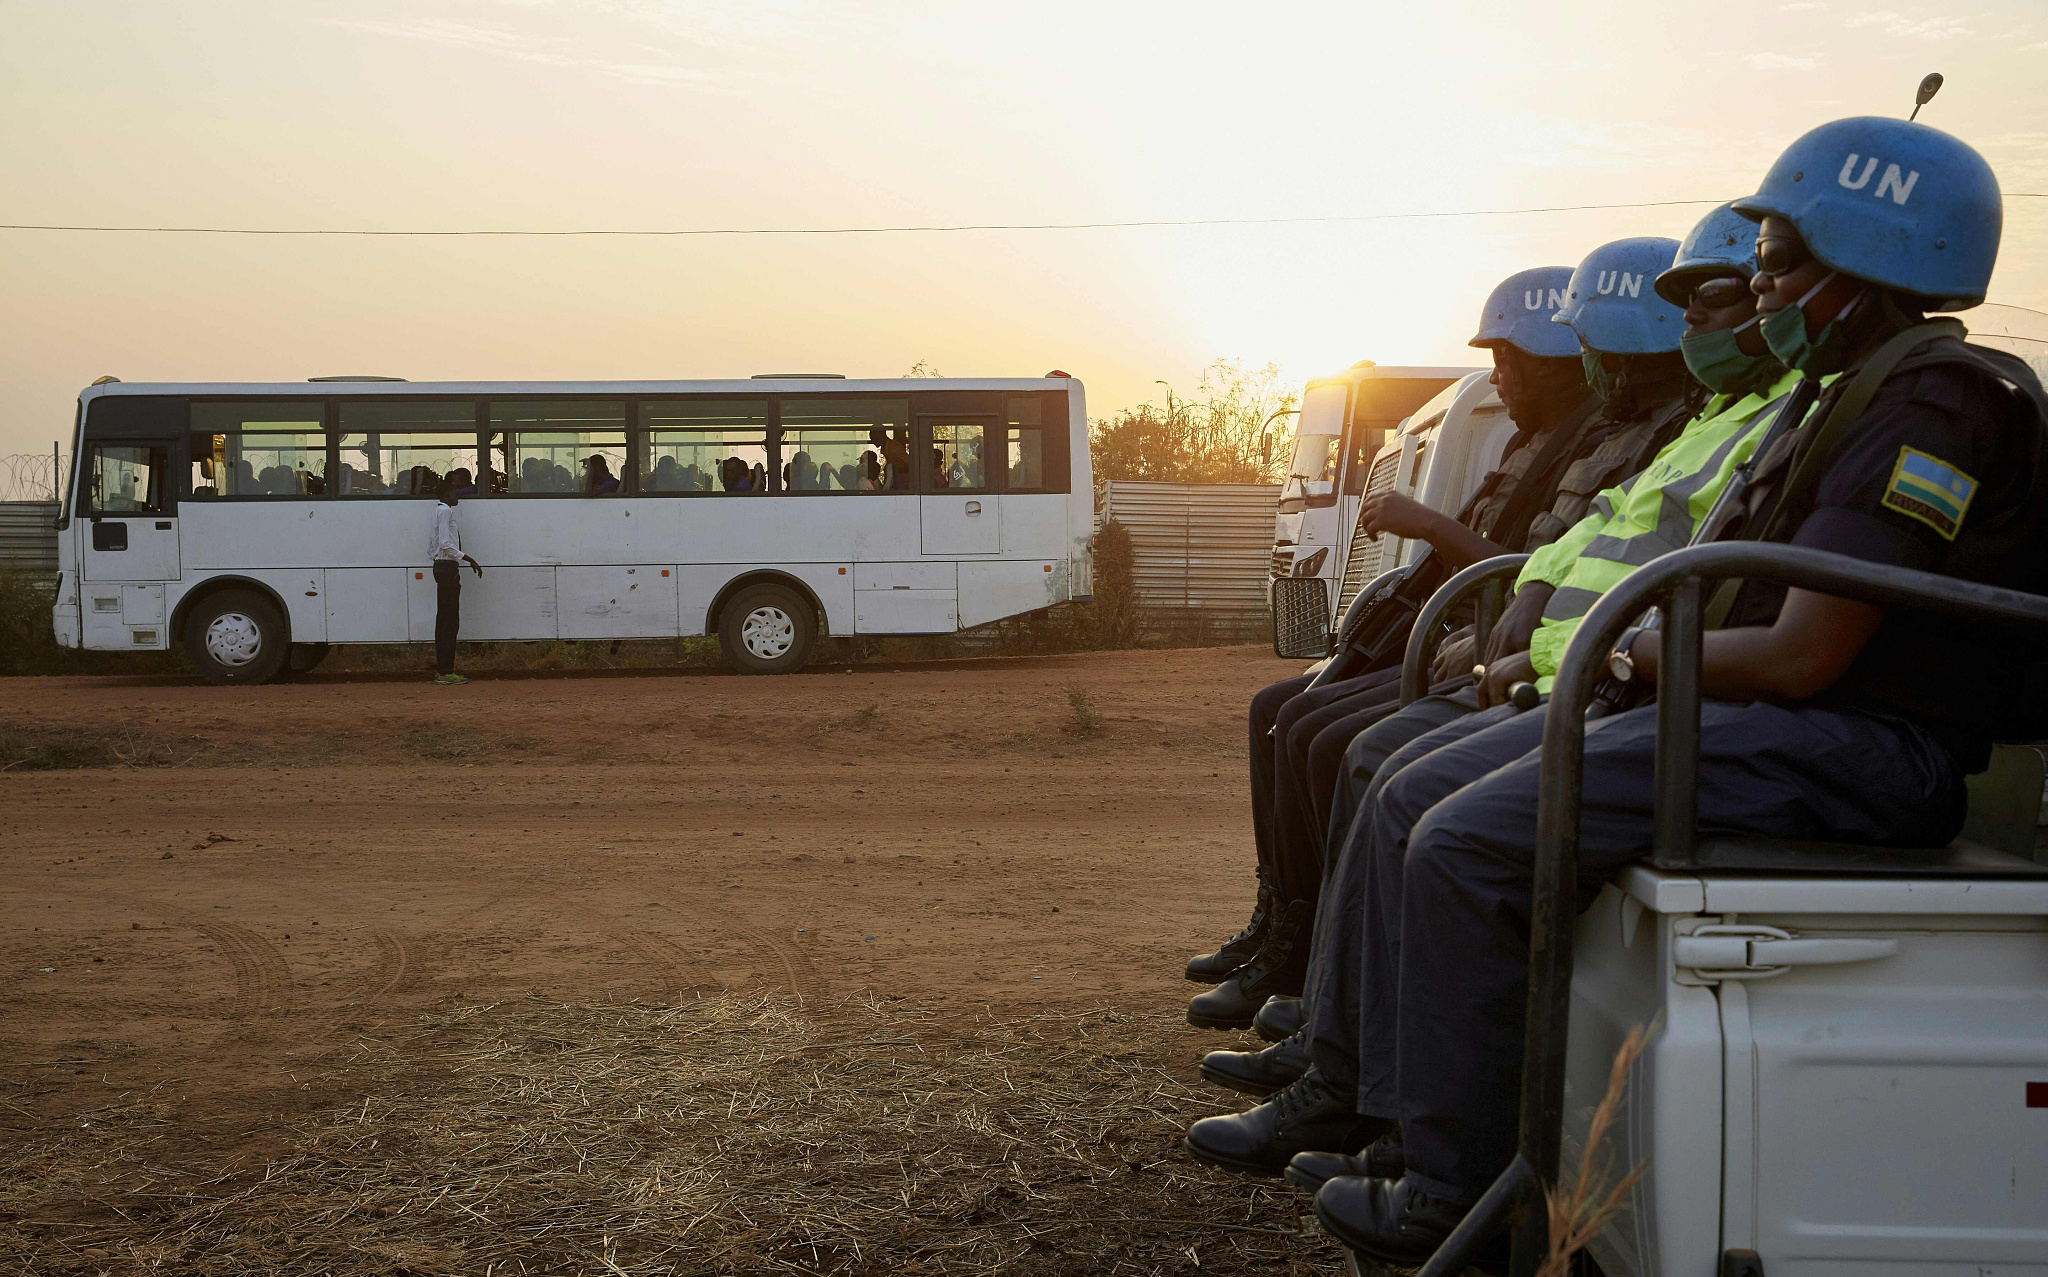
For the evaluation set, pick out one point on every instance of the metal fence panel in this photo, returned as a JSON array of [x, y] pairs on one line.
[[28, 537], [1199, 547]]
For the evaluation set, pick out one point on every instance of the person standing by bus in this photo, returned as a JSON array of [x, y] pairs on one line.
[[444, 545]]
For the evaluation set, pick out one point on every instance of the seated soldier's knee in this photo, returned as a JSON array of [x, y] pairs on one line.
[[1400, 801]]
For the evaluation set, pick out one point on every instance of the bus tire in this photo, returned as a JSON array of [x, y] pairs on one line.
[[237, 636], [767, 629]]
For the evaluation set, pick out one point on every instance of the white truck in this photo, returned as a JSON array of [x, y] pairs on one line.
[[1344, 424], [1437, 454]]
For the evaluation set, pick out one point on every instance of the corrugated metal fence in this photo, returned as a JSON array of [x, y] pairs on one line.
[[28, 537], [1204, 550]]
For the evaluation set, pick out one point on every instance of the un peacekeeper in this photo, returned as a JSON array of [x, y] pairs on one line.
[[1648, 515], [1645, 395], [1703, 286], [1544, 391], [1825, 719]]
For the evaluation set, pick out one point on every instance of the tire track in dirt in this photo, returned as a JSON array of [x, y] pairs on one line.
[[262, 978], [665, 957], [804, 981]]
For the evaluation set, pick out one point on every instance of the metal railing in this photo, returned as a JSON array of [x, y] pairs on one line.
[[1489, 579], [1677, 581]]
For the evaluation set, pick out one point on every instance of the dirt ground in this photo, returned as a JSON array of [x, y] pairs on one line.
[[241, 938]]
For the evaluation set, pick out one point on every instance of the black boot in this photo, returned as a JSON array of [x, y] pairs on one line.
[[1385, 1159], [1258, 1072], [1214, 968], [1303, 1116], [1280, 1019], [1279, 967], [1391, 1221]]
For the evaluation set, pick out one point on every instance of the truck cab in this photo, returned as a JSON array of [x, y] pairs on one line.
[[1345, 420], [1437, 455]]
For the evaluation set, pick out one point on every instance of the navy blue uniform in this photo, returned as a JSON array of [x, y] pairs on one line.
[[1445, 834]]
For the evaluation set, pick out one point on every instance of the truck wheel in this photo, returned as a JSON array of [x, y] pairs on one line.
[[767, 629], [237, 636]]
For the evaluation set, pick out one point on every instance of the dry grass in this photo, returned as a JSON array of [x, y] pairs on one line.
[[734, 1136], [33, 747], [1580, 1209], [455, 744]]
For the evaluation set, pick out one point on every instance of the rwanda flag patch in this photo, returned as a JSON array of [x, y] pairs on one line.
[[1930, 490]]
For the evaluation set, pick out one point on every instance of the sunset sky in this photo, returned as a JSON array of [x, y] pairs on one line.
[[566, 114]]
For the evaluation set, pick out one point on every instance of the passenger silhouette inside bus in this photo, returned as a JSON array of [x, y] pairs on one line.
[[599, 481], [734, 475], [895, 449]]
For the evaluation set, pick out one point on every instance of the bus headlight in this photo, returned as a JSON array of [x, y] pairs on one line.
[[1313, 564]]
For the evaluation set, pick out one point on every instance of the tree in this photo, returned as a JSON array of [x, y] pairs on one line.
[[1220, 435]]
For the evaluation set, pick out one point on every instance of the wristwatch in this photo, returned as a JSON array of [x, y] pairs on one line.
[[1619, 663]]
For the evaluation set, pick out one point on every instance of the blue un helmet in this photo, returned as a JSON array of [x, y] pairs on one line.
[[1898, 204], [1612, 305], [1724, 243], [1519, 310]]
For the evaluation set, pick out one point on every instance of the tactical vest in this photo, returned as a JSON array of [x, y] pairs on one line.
[[1772, 509], [1513, 494], [1628, 447]]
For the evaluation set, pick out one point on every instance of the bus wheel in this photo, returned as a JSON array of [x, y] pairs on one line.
[[767, 629], [236, 636]]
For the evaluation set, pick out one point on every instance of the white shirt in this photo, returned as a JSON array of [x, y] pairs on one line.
[[444, 542]]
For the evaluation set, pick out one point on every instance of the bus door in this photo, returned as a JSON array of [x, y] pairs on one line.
[[957, 508], [130, 506]]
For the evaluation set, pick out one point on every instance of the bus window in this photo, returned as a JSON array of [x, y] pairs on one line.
[[558, 448], [259, 449], [845, 445], [127, 479], [402, 448], [704, 445], [1024, 445], [958, 458]]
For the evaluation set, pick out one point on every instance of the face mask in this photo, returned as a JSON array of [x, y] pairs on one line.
[[1785, 333], [1597, 376], [1721, 365]]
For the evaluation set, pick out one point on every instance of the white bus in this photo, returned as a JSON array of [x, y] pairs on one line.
[[256, 525], [1344, 420]]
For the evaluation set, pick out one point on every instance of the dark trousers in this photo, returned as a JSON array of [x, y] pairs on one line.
[[1299, 810], [1448, 834], [447, 613], [1331, 993], [1275, 710]]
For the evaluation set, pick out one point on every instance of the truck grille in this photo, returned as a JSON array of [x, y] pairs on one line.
[[1362, 564]]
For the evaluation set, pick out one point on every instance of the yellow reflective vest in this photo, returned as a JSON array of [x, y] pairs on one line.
[[1647, 515]]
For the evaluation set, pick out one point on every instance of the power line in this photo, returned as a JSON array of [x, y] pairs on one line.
[[878, 230]]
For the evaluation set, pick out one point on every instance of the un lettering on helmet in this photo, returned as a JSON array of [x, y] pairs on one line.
[[1900, 189], [1620, 283]]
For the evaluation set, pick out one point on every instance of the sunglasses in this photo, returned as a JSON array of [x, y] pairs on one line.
[[1715, 294], [1780, 254]]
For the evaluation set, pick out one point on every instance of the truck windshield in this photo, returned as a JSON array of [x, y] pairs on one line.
[[1318, 445]]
